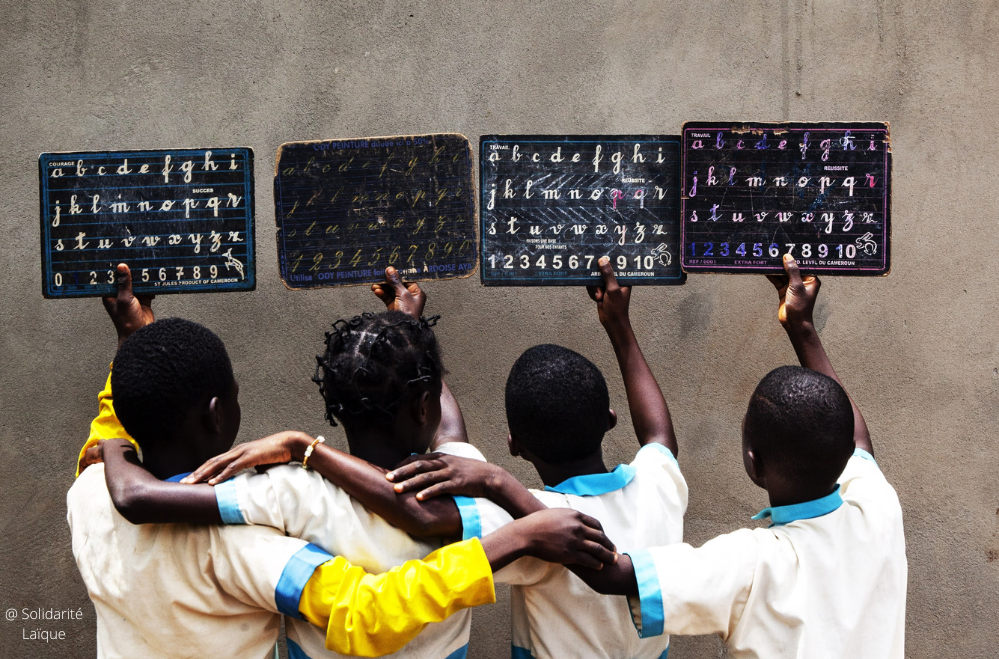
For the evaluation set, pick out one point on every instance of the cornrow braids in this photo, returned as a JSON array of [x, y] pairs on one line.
[[373, 363]]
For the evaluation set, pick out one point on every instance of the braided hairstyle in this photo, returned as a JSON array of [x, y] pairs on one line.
[[373, 363]]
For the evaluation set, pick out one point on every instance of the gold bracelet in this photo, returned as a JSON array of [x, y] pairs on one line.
[[308, 452]]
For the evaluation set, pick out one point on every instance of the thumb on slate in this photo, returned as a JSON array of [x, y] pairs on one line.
[[393, 278], [793, 272], [124, 282], [610, 280]]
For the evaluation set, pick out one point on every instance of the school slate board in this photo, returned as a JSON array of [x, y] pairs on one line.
[[182, 219], [346, 209], [551, 206], [755, 191]]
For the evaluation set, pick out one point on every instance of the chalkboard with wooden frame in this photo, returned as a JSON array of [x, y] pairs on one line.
[[181, 219], [753, 192], [346, 209], [551, 206]]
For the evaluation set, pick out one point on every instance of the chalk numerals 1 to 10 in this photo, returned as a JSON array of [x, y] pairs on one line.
[[753, 192]]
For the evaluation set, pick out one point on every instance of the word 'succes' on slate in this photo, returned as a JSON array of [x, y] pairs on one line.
[[551, 206], [181, 219], [753, 192], [346, 209]]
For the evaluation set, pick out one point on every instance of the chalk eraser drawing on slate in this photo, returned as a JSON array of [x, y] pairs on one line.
[[346, 209], [181, 219], [551, 206], [753, 192]]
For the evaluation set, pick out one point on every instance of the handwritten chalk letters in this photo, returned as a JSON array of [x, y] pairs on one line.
[[551, 206], [181, 219], [753, 192], [347, 209]]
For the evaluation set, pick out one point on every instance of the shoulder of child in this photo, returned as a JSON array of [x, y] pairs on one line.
[[655, 455], [461, 450], [863, 481]]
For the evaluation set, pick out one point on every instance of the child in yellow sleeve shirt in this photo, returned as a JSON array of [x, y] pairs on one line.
[[164, 590]]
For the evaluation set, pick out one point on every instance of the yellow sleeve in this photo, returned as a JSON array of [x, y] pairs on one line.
[[105, 425], [368, 615]]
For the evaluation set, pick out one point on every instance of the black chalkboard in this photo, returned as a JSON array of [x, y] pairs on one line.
[[755, 191], [346, 209], [181, 219], [551, 206]]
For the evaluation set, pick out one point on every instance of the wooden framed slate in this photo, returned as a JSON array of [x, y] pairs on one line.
[[551, 206], [346, 209], [182, 219], [753, 192]]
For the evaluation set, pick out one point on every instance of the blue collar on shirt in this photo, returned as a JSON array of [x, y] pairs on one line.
[[807, 510], [176, 479], [595, 484]]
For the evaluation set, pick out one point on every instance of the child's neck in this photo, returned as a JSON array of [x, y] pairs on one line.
[[552, 475], [167, 464], [377, 447], [784, 495]]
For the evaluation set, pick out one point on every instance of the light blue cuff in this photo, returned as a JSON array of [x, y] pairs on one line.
[[225, 495], [861, 453], [296, 574], [471, 524], [662, 449], [650, 595]]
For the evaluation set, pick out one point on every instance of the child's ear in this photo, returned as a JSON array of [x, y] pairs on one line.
[[511, 444], [754, 468], [611, 419], [213, 416], [421, 408]]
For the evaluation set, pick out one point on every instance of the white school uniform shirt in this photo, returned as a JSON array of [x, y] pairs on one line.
[[178, 590], [826, 581], [305, 505], [554, 614]]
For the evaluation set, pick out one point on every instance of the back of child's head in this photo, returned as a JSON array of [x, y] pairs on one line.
[[374, 363], [557, 405], [800, 423], [163, 370]]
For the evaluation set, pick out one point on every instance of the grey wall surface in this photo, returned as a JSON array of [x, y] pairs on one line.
[[917, 349]]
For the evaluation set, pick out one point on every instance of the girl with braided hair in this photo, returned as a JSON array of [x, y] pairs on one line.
[[381, 378]]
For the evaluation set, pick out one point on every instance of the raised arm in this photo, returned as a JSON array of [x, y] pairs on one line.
[[649, 412], [452, 427], [797, 302], [411, 299], [128, 313]]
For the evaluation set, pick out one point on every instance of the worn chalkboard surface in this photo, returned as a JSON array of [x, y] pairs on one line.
[[346, 209], [755, 191], [551, 206], [181, 219]]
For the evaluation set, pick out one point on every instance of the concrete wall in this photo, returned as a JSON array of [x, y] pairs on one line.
[[917, 349]]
